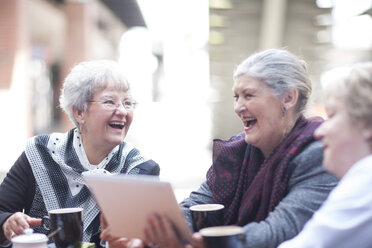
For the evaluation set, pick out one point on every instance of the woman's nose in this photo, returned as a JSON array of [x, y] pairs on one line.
[[319, 132], [239, 106], [121, 110]]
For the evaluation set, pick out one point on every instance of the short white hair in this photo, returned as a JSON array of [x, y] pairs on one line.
[[85, 79]]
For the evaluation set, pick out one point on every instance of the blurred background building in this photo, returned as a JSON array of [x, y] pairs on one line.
[[179, 57]]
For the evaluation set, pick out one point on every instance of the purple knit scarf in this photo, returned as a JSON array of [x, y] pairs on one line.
[[248, 185]]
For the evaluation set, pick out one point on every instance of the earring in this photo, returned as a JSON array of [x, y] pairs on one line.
[[284, 111], [81, 124]]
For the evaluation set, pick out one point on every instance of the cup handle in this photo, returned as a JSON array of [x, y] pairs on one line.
[[45, 223]]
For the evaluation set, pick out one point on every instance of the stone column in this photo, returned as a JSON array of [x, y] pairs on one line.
[[272, 23]]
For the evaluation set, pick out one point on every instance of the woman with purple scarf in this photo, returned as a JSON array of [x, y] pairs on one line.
[[270, 177]]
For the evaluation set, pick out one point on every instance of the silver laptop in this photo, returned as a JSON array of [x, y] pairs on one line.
[[127, 201]]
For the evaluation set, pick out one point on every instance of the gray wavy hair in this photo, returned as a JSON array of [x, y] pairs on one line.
[[280, 70], [85, 79]]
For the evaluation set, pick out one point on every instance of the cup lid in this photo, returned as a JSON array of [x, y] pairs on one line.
[[30, 237]]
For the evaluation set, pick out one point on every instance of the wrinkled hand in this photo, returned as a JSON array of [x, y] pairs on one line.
[[17, 223], [117, 242], [160, 232]]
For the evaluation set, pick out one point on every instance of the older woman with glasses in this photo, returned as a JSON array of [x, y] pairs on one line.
[[48, 174]]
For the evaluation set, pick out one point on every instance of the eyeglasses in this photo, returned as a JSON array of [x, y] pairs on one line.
[[129, 105]]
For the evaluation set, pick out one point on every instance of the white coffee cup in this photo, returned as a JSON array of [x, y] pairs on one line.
[[30, 240]]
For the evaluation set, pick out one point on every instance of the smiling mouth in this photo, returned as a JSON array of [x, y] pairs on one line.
[[250, 122], [117, 125]]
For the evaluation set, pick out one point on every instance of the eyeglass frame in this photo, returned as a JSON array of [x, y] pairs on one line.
[[113, 105]]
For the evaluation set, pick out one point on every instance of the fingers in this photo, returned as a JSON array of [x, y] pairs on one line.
[[168, 229], [152, 229], [106, 235], [113, 240], [197, 240], [136, 243], [119, 243], [160, 231], [33, 221], [15, 225], [156, 231], [103, 221]]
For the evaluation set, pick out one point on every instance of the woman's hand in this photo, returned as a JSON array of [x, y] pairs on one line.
[[197, 240], [160, 232], [117, 242], [17, 223]]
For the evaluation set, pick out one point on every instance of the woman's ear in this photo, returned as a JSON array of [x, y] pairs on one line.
[[290, 99], [79, 115]]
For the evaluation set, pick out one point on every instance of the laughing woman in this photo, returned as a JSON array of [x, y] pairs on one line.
[[345, 219], [48, 174], [270, 177]]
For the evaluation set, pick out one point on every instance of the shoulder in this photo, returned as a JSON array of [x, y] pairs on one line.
[[313, 151], [310, 156], [308, 165], [19, 177], [44, 139], [149, 167], [22, 165], [137, 160]]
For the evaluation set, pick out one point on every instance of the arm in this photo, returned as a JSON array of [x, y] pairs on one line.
[[344, 220], [149, 168], [308, 187], [202, 196], [16, 191]]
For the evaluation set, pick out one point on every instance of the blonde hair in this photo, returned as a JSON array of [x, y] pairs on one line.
[[358, 94]]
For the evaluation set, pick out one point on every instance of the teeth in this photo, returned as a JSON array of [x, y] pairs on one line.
[[248, 121], [119, 125]]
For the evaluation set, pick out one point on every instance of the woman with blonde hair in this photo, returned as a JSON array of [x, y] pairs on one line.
[[345, 218]]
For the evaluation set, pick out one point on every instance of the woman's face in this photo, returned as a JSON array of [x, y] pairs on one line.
[[260, 112], [103, 126], [343, 140]]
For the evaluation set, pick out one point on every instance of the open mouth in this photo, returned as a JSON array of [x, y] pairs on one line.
[[117, 125], [250, 122]]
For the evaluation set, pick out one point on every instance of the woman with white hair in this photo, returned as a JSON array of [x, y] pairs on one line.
[[270, 177], [48, 174], [345, 218]]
